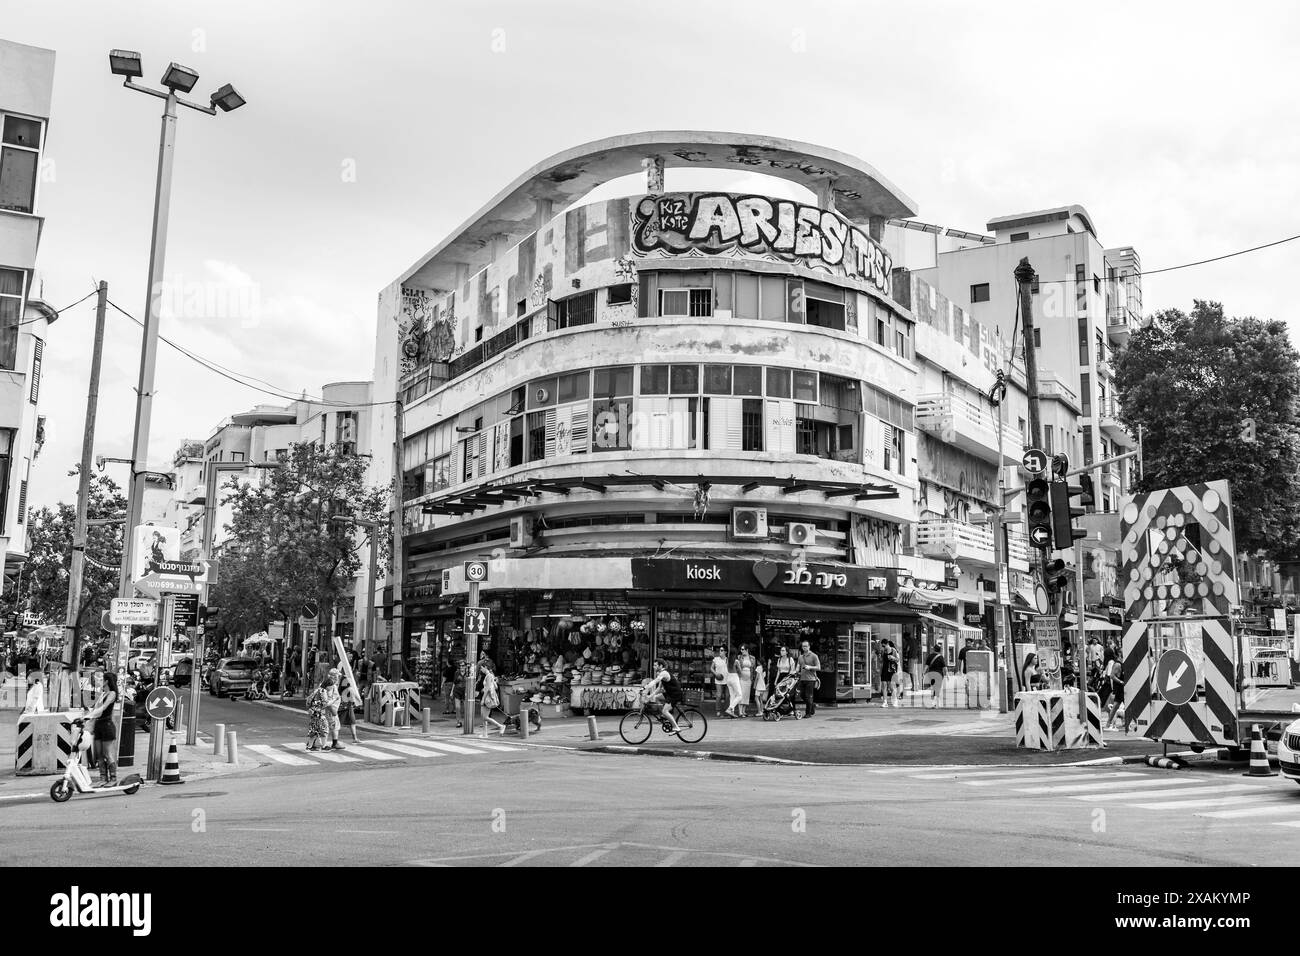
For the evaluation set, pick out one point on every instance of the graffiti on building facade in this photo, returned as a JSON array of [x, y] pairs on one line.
[[722, 223]]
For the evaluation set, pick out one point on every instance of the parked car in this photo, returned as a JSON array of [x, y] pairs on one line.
[[183, 671], [1288, 752], [231, 675]]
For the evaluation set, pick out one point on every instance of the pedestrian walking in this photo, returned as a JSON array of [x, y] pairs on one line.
[[760, 689], [35, 703], [809, 664], [104, 731], [349, 699], [318, 726], [936, 668], [333, 701], [719, 669], [781, 665], [891, 679], [1115, 680], [735, 702], [490, 699], [448, 687]]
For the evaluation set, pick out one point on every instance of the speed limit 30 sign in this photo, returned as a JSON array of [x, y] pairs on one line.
[[475, 571]]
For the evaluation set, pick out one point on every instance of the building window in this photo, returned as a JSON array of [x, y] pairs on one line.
[[717, 380], [19, 162], [1019, 236], [345, 432], [778, 383], [1083, 343], [478, 334], [573, 311], [38, 353], [1096, 285], [654, 379], [1085, 394], [11, 311], [521, 307], [684, 379], [894, 449], [900, 344], [236, 456], [751, 425], [805, 431], [1038, 338], [620, 294], [536, 440], [980, 292], [823, 305], [1033, 285], [805, 387], [747, 380]]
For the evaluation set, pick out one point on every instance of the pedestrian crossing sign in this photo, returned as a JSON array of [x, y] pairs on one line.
[[477, 620]]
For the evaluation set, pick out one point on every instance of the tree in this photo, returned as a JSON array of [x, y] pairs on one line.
[[44, 588], [286, 550], [1193, 382]]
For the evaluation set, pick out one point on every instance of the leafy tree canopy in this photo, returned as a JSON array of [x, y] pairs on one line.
[[1191, 382]]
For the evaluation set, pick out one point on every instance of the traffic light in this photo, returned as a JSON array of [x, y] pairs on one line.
[[1054, 578], [1038, 494], [1063, 512]]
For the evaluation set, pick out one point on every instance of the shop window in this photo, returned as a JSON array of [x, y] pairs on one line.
[[612, 381], [654, 379], [747, 380], [979, 292], [11, 310], [717, 379], [685, 379], [19, 163], [805, 386], [620, 294], [778, 383], [751, 425]]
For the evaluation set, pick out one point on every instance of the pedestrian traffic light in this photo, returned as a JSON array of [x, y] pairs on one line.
[[1060, 465], [1038, 494], [1063, 513], [1054, 578]]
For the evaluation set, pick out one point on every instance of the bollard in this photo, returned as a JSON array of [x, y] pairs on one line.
[[232, 747], [592, 732], [219, 740], [424, 720], [524, 714], [390, 719], [180, 713]]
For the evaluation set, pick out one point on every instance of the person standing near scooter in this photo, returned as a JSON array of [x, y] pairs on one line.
[[105, 731]]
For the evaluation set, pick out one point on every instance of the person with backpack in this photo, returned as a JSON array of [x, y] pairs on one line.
[[891, 683], [936, 669]]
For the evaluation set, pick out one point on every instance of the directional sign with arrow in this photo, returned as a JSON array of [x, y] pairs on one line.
[[1034, 461], [161, 703], [1040, 537], [1176, 677], [477, 620]]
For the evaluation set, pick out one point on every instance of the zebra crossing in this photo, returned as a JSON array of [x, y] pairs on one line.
[[1205, 796], [294, 753]]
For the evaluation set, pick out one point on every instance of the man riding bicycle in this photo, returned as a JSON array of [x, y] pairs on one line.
[[664, 689]]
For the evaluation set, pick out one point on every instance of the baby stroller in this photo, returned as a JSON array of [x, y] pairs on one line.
[[780, 703]]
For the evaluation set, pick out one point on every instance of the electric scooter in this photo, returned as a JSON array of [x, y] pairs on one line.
[[77, 780]]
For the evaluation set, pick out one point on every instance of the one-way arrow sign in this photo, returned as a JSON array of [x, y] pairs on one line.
[[1176, 677]]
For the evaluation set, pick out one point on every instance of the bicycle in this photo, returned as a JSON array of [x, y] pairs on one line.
[[637, 725]]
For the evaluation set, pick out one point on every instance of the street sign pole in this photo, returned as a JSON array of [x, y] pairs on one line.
[[1080, 606], [471, 655], [192, 711]]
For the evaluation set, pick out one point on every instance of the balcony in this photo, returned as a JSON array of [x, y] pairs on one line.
[[1105, 365], [968, 426], [1119, 325], [1051, 385], [1111, 426], [954, 541]]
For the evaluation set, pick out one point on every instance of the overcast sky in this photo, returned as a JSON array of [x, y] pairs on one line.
[[373, 129]]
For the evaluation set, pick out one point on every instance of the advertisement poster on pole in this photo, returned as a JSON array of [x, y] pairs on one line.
[[152, 545]]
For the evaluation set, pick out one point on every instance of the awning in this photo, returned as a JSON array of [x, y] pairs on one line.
[[944, 622], [718, 600], [923, 599], [867, 612]]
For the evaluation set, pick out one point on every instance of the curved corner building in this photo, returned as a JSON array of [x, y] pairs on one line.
[[671, 420]]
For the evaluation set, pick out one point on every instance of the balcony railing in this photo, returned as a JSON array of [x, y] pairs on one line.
[[1111, 426], [1017, 550], [1050, 385], [968, 426], [953, 540]]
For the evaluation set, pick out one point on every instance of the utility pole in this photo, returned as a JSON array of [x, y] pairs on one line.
[[77, 571], [399, 526], [1024, 274]]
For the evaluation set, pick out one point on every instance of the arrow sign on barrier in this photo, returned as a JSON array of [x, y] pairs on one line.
[[1176, 677]]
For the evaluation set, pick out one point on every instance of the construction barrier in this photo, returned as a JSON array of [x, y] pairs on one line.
[[44, 743], [1084, 732], [1049, 720], [1033, 721], [393, 704]]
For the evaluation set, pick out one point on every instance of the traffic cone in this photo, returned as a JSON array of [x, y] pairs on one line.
[[1259, 766], [172, 766]]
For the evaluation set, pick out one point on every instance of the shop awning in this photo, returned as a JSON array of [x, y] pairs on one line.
[[953, 625], [718, 600], [867, 612]]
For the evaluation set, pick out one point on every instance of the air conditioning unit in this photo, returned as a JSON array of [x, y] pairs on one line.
[[801, 534], [749, 523], [521, 531]]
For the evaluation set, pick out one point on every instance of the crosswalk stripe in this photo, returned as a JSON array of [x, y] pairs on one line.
[[371, 754], [452, 748], [1292, 806], [1145, 794], [593, 855], [330, 755], [435, 746], [1041, 778], [266, 750], [487, 746], [404, 749], [1210, 802], [1104, 785], [962, 775]]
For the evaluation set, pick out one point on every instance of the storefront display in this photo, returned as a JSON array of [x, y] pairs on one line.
[[685, 639]]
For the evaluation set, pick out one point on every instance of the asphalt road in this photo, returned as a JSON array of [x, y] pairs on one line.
[[534, 806]]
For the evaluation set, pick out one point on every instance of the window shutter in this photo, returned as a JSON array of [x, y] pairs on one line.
[[501, 447], [38, 353], [550, 433], [725, 424], [482, 468], [679, 423], [651, 428], [780, 427], [872, 441], [458, 463], [578, 436], [564, 430], [22, 502]]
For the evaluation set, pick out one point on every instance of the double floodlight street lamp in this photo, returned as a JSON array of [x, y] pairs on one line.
[[176, 79]]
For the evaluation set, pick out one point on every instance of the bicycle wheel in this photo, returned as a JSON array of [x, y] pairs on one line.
[[692, 725], [635, 727]]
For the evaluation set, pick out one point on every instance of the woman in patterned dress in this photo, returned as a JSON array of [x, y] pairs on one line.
[[317, 718]]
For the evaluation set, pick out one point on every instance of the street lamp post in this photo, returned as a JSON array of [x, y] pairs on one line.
[[176, 79]]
